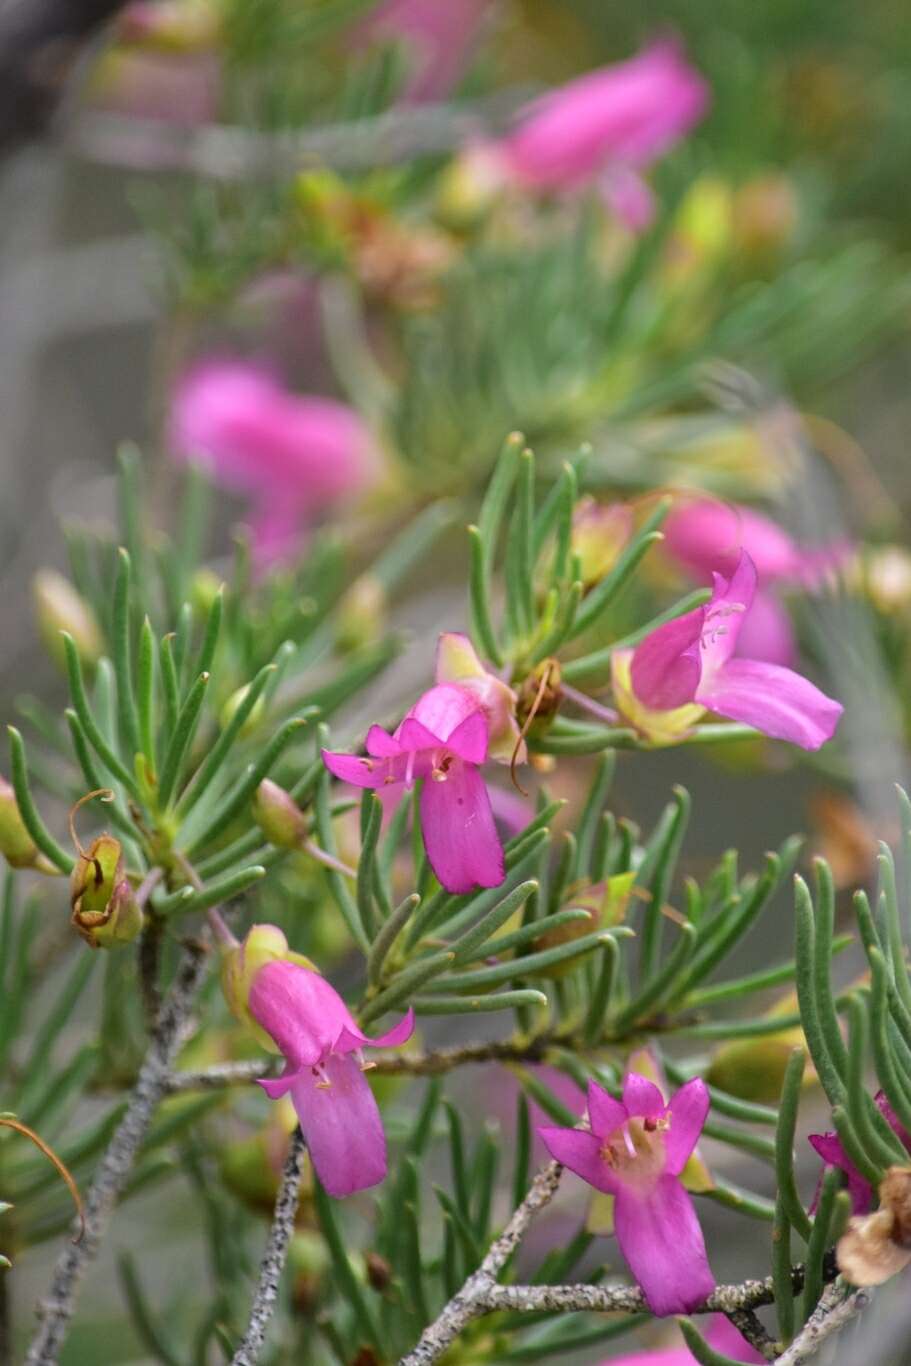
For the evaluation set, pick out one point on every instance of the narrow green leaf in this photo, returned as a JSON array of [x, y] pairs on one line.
[[387, 936], [482, 628], [89, 725], [216, 756], [476, 1005], [33, 823], [126, 704], [181, 739], [345, 1279]]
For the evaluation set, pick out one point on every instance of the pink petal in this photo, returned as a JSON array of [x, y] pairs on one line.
[[276, 1087], [469, 739], [830, 1149], [350, 1039], [725, 1338], [460, 837], [355, 769], [605, 1114], [580, 1153], [342, 1126], [724, 615], [777, 701], [442, 709], [628, 197], [380, 744], [660, 1237], [766, 632], [641, 1097], [687, 1112], [300, 1010], [667, 666], [892, 1119], [413, 736]]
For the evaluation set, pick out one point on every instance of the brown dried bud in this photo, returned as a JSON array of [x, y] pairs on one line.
[[539, 696], [877, 1246], [379, 1272]]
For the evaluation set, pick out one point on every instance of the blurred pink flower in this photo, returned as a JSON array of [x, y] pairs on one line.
[[292, 456], [606, 127], [706, 536], [438, 36], [721, 1335]]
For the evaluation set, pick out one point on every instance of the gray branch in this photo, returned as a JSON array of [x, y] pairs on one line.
[[273, 1263], [834, 1311], [114, 1168], [427, 1064]]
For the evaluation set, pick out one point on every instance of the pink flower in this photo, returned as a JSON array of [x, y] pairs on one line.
[[291, 455], [438, 36], [690, 660], [315, 1031], [606, 127], [707, 536], [636, 1151], [830, 1149], [458, 662], [443, 739], [722, 1336]]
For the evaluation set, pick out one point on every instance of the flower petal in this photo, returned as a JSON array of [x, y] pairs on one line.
[[460, 837], [443, 708], [380, 744], [725, 613], [687, 1111], [767, 632], [342, 1126], [469, 739], [605, 1114], [776, 701], [580, 1153], [642, 1097], [300, 1010], [355, 769], [831, 1150], [666, 667], [355, 1038], [660, 1237]]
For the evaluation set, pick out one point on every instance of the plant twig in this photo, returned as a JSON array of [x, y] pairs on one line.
[[111, 1175], [749, 1325], [834, 1311], [473, 1298], [428, 1064], [273, 1262]]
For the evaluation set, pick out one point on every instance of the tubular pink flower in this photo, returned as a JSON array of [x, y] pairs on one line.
[[291, 455], [439, 38], [691, 660], [321, 1043], [635, 1152], [606, 127], [443, 739], [830, 1149]]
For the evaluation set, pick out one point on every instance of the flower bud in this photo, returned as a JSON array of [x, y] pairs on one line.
[[605, 905], [765, 217], [278, 816], [59, 607], [262, 944], [362, 614], [16, 844], [234, 701], [105, 910], [379, 1272], [599, 533]]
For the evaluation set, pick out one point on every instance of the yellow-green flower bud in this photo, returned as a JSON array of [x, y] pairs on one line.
[[234, 701], [263, 944], [16, 844], [278, 816], [58, 607], [362, 614], [105, 910]]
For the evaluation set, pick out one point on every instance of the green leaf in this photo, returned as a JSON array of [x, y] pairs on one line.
[[33, 823]]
